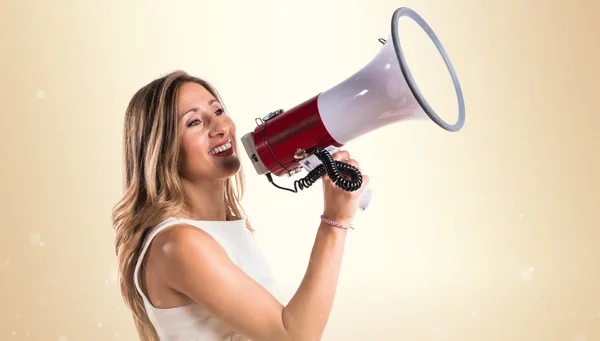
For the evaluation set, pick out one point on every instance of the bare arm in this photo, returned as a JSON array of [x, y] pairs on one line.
[[306, 315], [195, 264]]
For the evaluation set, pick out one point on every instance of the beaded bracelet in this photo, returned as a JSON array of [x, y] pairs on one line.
[[333, 223]]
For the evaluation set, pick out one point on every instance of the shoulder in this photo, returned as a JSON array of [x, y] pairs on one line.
[[187, 256], [181, 242]]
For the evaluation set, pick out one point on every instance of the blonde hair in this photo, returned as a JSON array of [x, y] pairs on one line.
[[152, 190]]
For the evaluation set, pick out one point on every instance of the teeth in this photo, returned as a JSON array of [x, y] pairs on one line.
[[221, 149]]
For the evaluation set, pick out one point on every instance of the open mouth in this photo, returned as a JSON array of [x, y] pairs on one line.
[[221, 149]]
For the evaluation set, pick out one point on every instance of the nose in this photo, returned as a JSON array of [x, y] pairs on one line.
[[218, 126]]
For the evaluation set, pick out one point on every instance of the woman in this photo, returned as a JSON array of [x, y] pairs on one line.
[[189, 268]]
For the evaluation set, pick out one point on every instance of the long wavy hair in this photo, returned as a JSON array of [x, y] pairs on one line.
[[152, 188]]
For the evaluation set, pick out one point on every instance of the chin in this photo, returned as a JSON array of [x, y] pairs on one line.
[[231, 169]]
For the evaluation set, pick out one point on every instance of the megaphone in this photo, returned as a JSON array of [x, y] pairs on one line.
[[383, 92]]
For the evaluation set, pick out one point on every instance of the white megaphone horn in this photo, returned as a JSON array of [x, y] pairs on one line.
[[382, 93]]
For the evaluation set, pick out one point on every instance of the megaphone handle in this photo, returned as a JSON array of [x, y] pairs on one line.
[[365, 199]]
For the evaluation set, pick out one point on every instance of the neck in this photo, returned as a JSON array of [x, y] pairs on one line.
[[205, 200]]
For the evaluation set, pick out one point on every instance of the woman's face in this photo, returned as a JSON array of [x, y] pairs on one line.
[[204, 125]]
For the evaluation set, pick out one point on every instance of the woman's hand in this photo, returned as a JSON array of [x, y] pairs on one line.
[[340, 205]]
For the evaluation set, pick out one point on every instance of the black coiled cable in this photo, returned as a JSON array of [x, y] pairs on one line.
[[332, 168]]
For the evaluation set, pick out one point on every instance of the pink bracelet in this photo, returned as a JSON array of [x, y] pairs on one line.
[[333, 223]]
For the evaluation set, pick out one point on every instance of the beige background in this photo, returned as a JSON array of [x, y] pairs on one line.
[[489, 234]]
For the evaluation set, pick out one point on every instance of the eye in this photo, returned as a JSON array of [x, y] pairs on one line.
[[194, 122], [219, 112]]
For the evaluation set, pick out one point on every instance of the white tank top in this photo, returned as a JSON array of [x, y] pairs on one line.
[[192, 322]]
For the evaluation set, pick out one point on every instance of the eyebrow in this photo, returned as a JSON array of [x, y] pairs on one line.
[[211, 102]]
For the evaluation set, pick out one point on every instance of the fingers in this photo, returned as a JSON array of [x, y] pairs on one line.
[[365, 181], [344, 156], [353, 163], [341, 155], [365, 178]]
